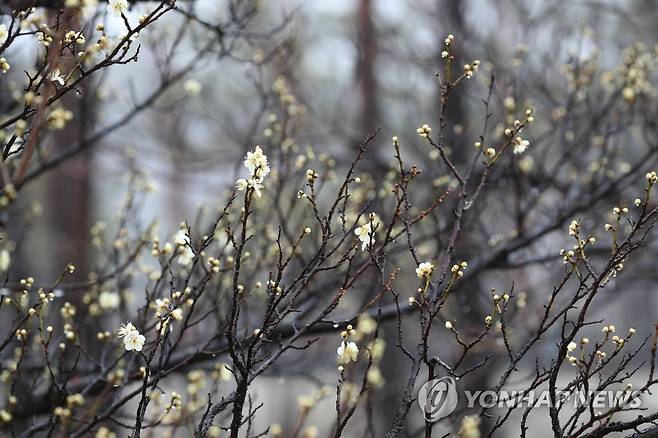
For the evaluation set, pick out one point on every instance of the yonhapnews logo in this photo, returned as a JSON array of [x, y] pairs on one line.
[[438, 398]]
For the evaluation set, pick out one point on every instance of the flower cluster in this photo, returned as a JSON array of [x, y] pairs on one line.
[[132, 339], [520, 145], [570, 348], [366, 233], [4, 65], [458, 269], [424, 131], [117, 7], [424, 269], [347, 350], [259, 168], [448, 41], [58, 118], [4, 33], [470, 69]]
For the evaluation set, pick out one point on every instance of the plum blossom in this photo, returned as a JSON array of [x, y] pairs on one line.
[[424, 269], [132, 339], [259, 168], [125, 329], [117, 7], [109, 300], [192, 87], [56, 76], [347, 352], [180, 238], [366, 233], [4, 33], [185, 256], [256, 162], [520, 145]]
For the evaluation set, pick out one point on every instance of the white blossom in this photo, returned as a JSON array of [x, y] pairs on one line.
[[192, 87], [347, 352], [424, 269], [4, 33], [185, 256], [424, 131], [177, 314], [259, 168], [117, 7], [256, 185], [520, 145], [134, 341], [366, 233], [256, 162], [161, 305], [56, 76], [241, 184], [109, 300], [180, 238], [125, 329], [470, 427]]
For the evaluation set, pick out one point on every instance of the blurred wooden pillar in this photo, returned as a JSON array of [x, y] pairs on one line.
[[367, 42], [61, 234], [67, 189], [367, 83], [451, 20]]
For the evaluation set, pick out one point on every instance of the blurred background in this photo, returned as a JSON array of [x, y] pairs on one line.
[[355, 66], [185, 114]]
